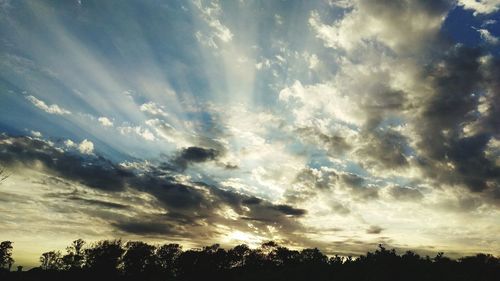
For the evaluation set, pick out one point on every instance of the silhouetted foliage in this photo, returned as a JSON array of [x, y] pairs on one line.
[[51, 261], [139, 258], [75, 256], [166, 258], [104, 256], [6, 259], [135, 260]]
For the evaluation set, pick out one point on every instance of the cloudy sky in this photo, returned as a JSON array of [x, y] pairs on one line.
[[333, 124]]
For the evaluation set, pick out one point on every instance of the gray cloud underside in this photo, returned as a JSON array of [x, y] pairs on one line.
[[185, 208], [460, 83], [454, 117]]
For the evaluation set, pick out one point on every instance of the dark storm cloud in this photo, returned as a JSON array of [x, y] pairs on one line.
[[169, 192], [384, 148], [274, 214], [182, 219], [460, 80], [97, 173], [455, 78], [358, 186], [353, 180], [381, 101], [144, 228], [252, 201], [189, 206], [289, 210], [491, 72], [195, 154], [229, 166], [98, 203], [198, 154], [190, 203], [261, 209]]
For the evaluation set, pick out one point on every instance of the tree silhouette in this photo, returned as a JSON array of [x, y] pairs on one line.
[[6, 259], [51, 261], [167, 256], [282, 257], [313, 256], [139, 258], [104, 256], [255, 259], [237, 256], [74, 258], [135, 260]]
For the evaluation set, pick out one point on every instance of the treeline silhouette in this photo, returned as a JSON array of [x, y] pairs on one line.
[[135, 260]]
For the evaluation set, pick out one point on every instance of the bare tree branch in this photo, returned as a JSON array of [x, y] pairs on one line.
[[3, 174]]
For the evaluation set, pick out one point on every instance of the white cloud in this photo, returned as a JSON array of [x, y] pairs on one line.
[[400, 27], [312, 60], [210, 13], [487, 36], [310, 102], [153, 108], [205, 40], [36, 134], [167, 132], [480, 6], [51, 109], [488, 22], [69, 143], [105, 121], [265, 63], [142, 132], [86, 147], [278, 19]]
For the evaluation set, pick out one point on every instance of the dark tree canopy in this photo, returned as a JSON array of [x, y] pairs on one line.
[[136, 260], [6, 259]]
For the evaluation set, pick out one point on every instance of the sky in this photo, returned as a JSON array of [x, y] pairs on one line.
[[333, 124]]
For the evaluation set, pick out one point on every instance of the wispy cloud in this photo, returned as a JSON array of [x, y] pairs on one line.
[[51, 109], [105, 121], [487, 36], [210, 12]]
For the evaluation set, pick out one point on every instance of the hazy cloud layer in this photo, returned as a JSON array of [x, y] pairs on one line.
[[179, 207]]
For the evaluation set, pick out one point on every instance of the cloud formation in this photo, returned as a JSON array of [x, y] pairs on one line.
[[105, 121], [51, 109], [481, 6], [195, 154], [178, 208], [86, 147], [333, 124]]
